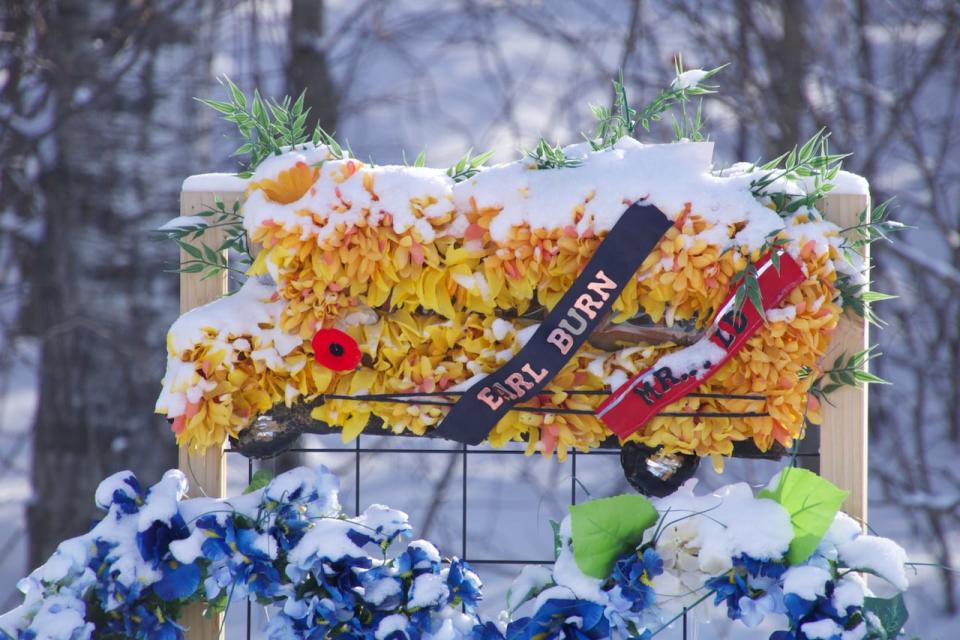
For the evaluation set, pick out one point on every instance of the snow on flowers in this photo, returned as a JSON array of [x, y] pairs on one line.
[[289, 548], [438, 283]]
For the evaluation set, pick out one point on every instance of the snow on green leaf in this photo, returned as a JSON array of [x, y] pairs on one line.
[[606, 529], [812, 503], [892, 613]]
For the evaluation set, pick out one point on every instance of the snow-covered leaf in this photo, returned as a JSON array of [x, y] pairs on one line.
[[260, 479], [892, 613], [531, 581], [812, 503], [605, 529]]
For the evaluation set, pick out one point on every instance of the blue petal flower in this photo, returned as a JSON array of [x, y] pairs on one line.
[[179, 581], [464, 585], [487, 631], [556, 618], [633, 574]]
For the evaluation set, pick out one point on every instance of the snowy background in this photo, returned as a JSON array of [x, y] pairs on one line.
[[98, 129]]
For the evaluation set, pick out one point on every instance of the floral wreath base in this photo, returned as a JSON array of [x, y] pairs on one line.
[[625, 567]]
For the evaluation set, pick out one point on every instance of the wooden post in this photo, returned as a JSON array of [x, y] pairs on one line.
[[843, 436], [206, 471]]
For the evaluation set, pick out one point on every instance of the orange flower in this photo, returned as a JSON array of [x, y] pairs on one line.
[[290, 185]]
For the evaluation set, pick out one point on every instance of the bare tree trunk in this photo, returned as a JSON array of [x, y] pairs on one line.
[[788, 61], [120, 80], [307, 67]]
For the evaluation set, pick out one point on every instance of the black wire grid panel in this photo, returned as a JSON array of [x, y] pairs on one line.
[[465, 454]]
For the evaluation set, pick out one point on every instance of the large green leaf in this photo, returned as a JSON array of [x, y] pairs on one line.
[[606, 529], [892, 613], [812, 503], [260, 479]]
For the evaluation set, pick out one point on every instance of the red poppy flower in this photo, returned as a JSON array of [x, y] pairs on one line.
[[335, 350]]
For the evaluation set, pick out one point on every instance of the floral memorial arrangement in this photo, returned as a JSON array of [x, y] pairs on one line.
[[605, 292], [608, 288], [625, 567]]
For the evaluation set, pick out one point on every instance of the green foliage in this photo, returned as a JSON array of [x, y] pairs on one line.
[[848, 371], [813, 161], [557, 545], [616, 123], [878, 226], [604, 530], [774, 245], [624, 120], [812, 503], [419, 161], [891, 612], [260, 479], [468, 166], [516, 600], [202, 257], [333, 147], [548, 157], [748, 288], [858, 298], [267, 126]]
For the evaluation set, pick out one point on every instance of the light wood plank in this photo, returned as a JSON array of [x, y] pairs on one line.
[[206, 470], [843, 436]]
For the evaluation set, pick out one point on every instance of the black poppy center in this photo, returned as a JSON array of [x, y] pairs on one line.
[[336, 349]]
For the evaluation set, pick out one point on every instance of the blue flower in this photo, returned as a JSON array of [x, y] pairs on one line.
[[126, 495], [464, 585], [254, 564], [633, 574], [289, 523], [179, 580], [564, 619], [309, 618], [382, 588], [154, 542], [750, 589], [487, 631], [419, 557], [152, 625], [800, 611]]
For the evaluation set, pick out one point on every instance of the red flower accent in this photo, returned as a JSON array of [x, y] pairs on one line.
[[336, 350]]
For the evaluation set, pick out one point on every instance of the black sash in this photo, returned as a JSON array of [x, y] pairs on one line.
[[563, 331]]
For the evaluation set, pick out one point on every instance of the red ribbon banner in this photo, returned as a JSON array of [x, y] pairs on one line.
[[675, 375]]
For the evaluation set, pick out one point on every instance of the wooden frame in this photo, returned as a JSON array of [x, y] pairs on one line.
[[843, 440], [206, 471]]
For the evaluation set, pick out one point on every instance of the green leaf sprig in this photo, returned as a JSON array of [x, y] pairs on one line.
[[846, 371], [857, 297], [624, 120], [419, 161], [748, 288], [878, 226], [268, 126], [203, 257], [468, 166], [549, 157], [812, 160]]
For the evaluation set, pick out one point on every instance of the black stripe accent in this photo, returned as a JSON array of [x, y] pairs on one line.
[[617, 258]]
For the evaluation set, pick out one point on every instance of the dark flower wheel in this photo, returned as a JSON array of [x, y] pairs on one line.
[[654, 473]]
